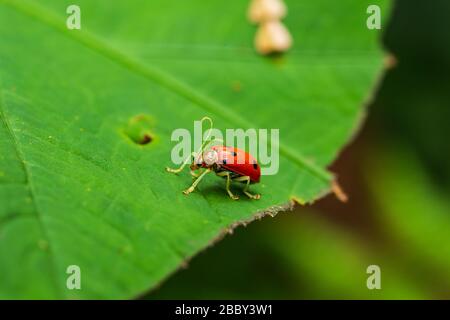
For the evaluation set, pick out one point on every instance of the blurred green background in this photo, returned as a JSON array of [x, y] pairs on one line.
[[397, 175]]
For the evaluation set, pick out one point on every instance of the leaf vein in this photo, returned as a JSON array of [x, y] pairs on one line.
[[30, 185]]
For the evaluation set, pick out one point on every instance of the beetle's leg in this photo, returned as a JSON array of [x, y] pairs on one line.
[[247, 180], [192, 187], [193, 154], [194, 174], [227, 174]]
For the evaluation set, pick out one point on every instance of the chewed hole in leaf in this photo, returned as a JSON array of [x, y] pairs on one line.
[[139, 129], [147, 138]]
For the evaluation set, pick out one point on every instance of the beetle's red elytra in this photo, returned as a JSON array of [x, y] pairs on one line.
[[231, 163]]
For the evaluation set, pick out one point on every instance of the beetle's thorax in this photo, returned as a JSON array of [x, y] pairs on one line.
[[210, 157], [207, 159]]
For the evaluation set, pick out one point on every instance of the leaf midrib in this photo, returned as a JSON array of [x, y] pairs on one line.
[[158, 76]]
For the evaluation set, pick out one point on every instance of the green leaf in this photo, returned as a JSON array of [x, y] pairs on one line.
[[76, 188]]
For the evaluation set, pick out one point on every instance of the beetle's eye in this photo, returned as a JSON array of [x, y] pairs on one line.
[[255, 166]]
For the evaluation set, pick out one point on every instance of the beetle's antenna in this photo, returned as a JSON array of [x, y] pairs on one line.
[[185, 162], [205, 142], [212, 141]]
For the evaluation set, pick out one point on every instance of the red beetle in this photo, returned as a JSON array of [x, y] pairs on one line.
[[230, 163]]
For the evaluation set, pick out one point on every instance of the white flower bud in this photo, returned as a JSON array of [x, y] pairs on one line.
[[272, 37], [266, 10]]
